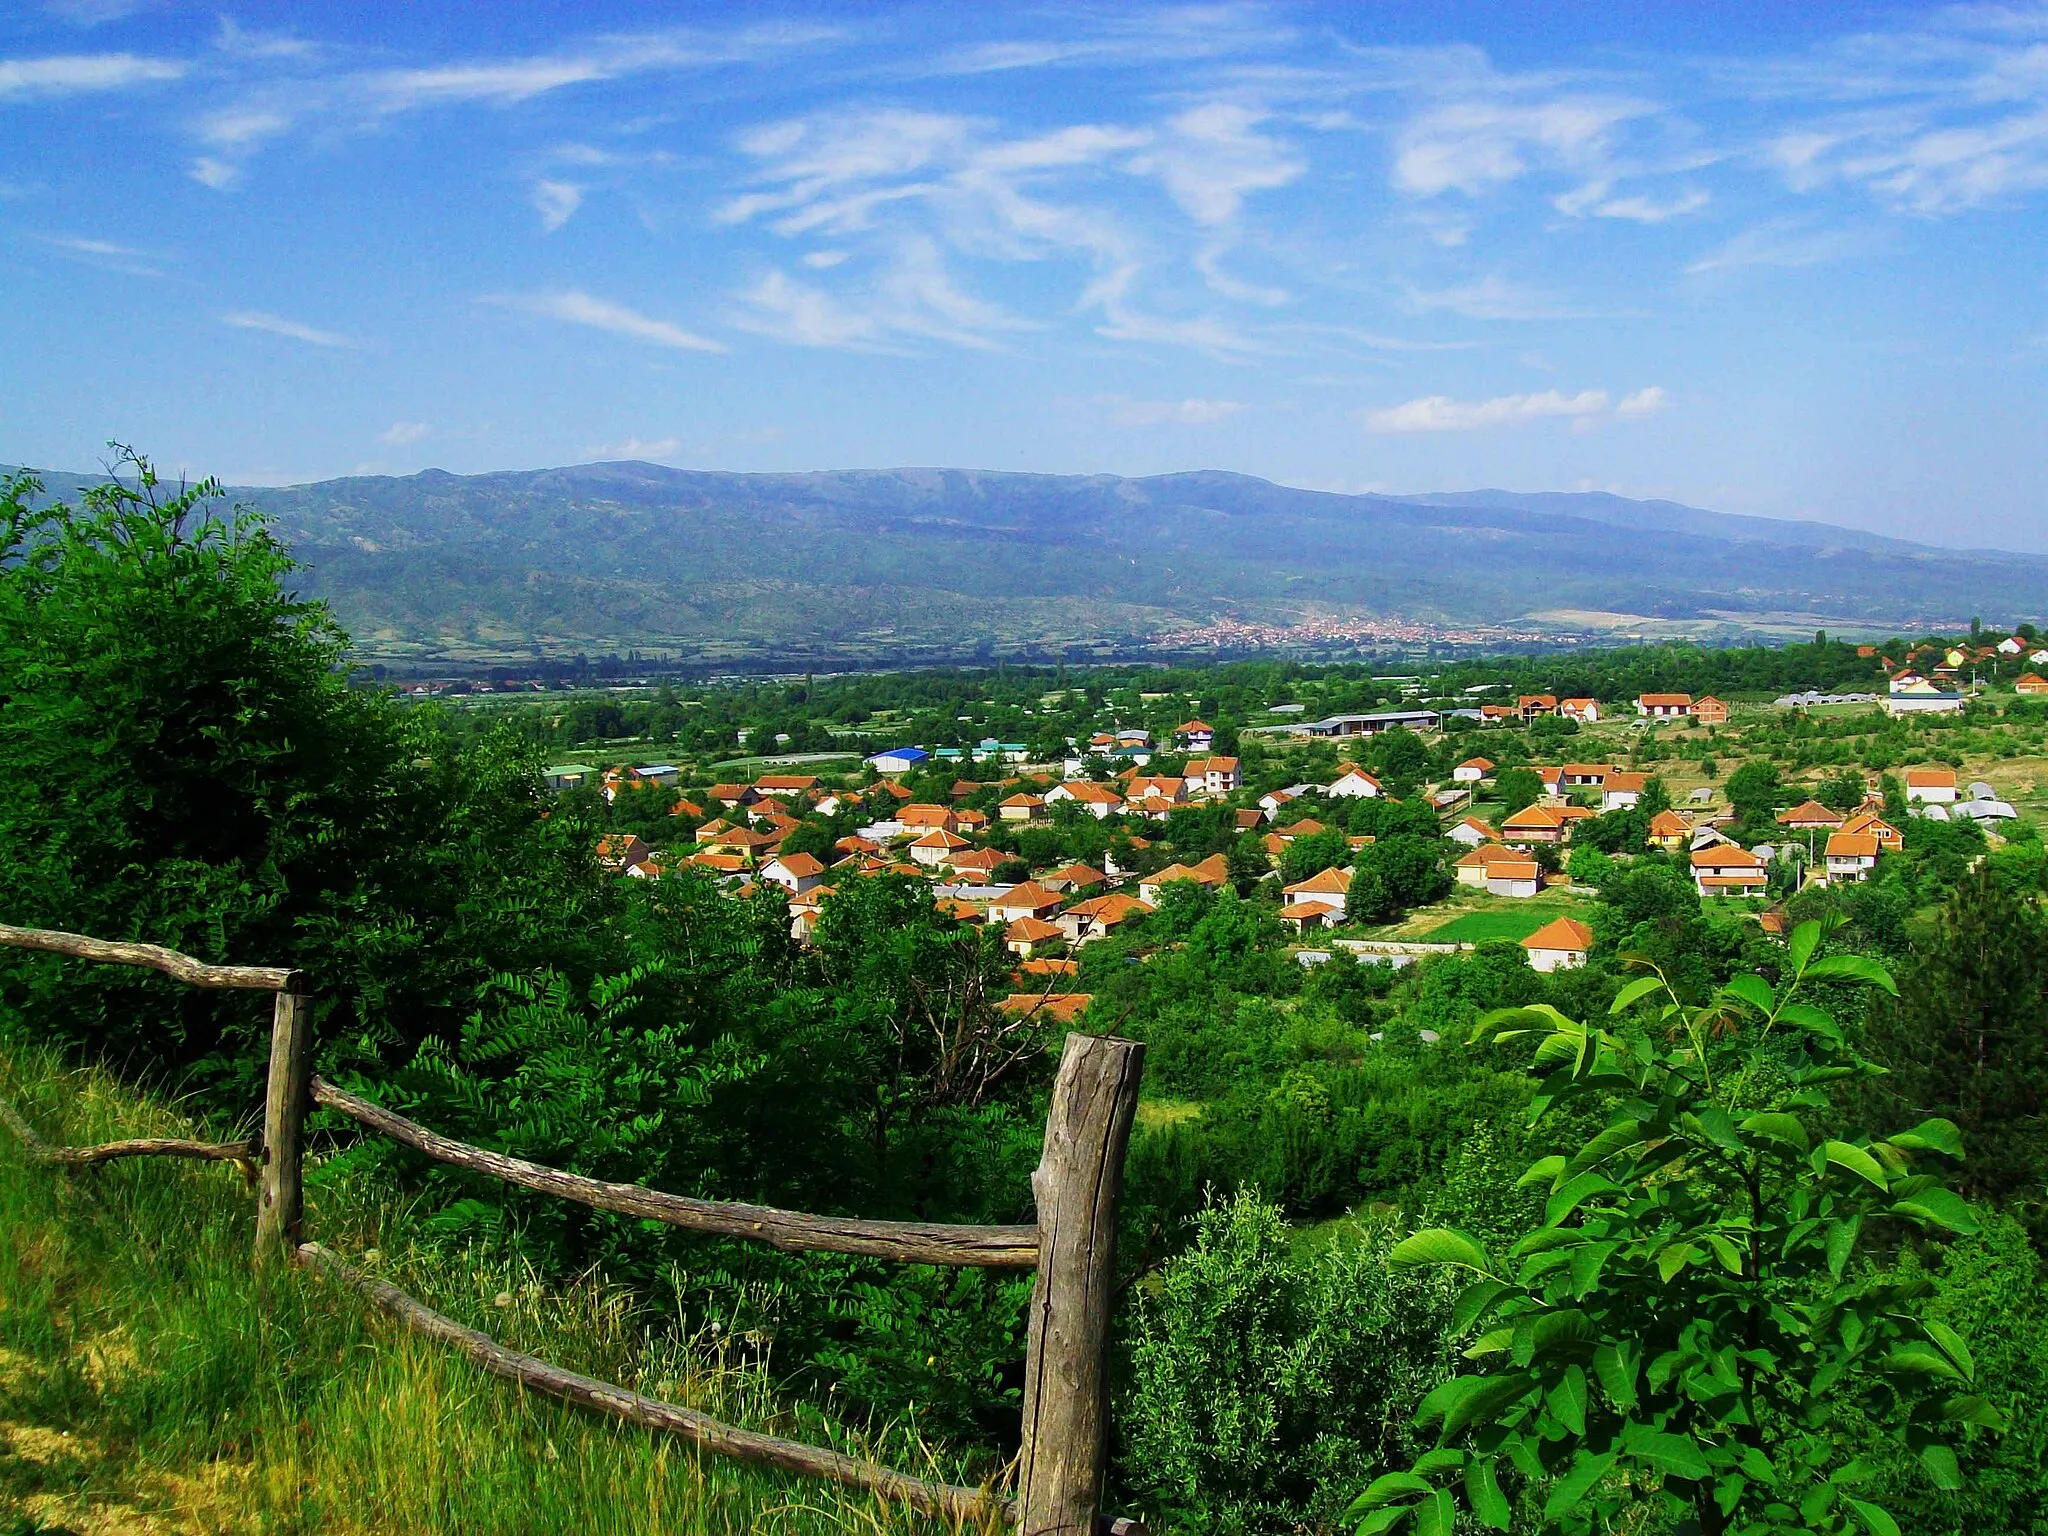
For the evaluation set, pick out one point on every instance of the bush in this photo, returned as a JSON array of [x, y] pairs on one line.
[[1266, 1379]]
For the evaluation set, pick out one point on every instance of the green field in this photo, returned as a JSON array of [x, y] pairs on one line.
[[1478, 927]]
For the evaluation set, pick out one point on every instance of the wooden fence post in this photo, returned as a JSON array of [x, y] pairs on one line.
[[1077, 1185], [280, 1199]]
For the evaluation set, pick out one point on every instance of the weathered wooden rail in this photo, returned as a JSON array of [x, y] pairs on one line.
[[1071, 1248]]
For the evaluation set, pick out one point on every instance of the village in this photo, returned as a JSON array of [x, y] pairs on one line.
[[1057, 854]]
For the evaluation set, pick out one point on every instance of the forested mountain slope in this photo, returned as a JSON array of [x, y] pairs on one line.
[[611, 556]]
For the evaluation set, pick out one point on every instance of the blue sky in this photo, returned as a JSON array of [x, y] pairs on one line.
[[1763, 258]]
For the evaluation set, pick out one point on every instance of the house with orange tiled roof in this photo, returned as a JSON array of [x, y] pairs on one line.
[[1212, 872], [1195, 735], [1027, 900], [1727, 870], [1889, 838], [979, 863], [1024, 934], [1585, 711], [730, 795], [1474, 770], [1622, 791], [1810, 816], [1213, 775], [1098, 800], [1559, 945], [1851, 856], [1670, 831], [1098, 915], [937, 847], [1518, 876], [1536, 824], [1354, 784], [2031, 683], [927, 818], [1047, 965], [1330, 889], [1710, 711], [1021, 807], [1931, 786], [794, 872], [1664, 706], [685, 806], [1530, 706], [1074, 879], [1471, 832], [786, 785], [1048, 1007], [1471, 869]]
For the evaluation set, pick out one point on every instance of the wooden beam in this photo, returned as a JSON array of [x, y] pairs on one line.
[[281, 1194], [908, 1242], [150, 1146], [255, 978], [940, 1499], [1078, 1184]]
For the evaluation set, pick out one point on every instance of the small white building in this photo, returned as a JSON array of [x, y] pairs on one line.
[[796, 873], [1474, 770], [1514, 877], [1559, 945], [1355, 784], [1931, 786]]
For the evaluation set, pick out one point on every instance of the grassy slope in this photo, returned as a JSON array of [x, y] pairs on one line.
[[149, 1384]]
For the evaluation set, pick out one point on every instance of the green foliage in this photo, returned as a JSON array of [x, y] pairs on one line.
[[1266, 1375], [1968, 1038], [1396, 873], [1685, 1324]]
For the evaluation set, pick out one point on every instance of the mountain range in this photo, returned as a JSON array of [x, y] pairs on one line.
[[932, 563]]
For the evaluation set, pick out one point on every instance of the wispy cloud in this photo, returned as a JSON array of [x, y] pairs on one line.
[[1492, 297], [1779, 243], [217, 174], [72, 73], [578, 308], [1126, 412], [556, 201], [110, 255], [1473, 146], [401, 433], [278, 325], [636, 448], [1441, 413]]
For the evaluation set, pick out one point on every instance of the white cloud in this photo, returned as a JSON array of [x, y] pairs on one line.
[[400, 433], [1126, 412], [636, 448], [1472, 146], [1441, 413], [1490, 298], [821, 260], [69, 74], [217, 174], [781, 307], [278, 325], [556, 201], [1776, 244], [1644, 402], [1211, 159], [1596, 199], [579, 308], [107, 254]]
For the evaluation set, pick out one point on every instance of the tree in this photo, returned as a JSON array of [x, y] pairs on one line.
[[1518, 789], [1394, 874], [1311, 855], [1968, 1039], [1686, 1324], [1754, 791]]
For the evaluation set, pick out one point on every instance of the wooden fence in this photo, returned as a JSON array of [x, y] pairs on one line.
[[1071, 1247]]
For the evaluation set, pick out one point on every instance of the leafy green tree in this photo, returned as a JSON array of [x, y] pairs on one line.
[[1394, 874], [1754, 791], [1968, 1039], [1688, 1322], [1518, 788], [1311, 855]]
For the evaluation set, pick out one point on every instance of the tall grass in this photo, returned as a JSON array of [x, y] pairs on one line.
[[150, 1381]]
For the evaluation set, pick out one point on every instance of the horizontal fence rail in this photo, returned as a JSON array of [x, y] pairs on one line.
[[196, 973], [907, 1242], [700, 1429], [1071, 1247]]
